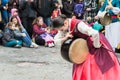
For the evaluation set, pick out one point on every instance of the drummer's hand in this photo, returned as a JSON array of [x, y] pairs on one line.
[[69, 35], [96, 17], [109, 7]]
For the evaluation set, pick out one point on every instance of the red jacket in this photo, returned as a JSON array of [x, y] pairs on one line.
[[37, 31]]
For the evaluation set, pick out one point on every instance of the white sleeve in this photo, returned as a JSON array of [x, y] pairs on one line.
[[99, 14], [116, 10], [85, 29], [57, 38]]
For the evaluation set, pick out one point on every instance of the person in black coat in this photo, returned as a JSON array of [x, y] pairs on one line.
[[1, 22], [27, 14], [68, 7], [45, 8]]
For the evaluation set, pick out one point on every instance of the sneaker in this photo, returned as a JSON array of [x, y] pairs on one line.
[[34, 45], [31, 46], [52, 44]]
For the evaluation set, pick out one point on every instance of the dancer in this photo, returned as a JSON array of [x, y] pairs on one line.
[[101, 62]]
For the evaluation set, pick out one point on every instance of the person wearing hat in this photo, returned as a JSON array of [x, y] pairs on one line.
[[101, 62], [112, 29]]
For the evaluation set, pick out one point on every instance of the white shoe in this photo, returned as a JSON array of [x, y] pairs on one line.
[[33, 45], [52, 44]]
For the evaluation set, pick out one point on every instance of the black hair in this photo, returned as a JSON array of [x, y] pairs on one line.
[[58, 21]]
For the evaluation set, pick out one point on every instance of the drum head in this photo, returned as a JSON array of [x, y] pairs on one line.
[[78, 51], [106, 20]]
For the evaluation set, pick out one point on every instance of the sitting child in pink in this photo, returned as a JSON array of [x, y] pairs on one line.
[[42, 32]]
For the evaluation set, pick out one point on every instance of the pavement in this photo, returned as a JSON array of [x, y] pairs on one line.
[[33, 64], [42, 63]]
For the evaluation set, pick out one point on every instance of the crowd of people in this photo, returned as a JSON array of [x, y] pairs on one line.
[[34, 16], [49, 23], [28, 21]]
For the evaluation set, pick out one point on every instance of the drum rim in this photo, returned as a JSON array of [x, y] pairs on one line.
[[105, 19]]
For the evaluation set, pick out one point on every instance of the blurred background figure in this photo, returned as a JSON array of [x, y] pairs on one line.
[[68, 7], [79, 9], [5, 14], [45, 8]]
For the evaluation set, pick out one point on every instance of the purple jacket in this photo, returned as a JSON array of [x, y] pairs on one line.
[[79, 8]]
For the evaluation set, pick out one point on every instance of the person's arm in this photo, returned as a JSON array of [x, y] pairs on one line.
[[102, 9], [7, 35], [3, 7], [85, 29], [66, 8], [116, 10], [60, 37], [19, 34], [76, 10], [37, 30], [117, 5]]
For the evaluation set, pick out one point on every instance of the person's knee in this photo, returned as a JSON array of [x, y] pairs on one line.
[[39, 41]]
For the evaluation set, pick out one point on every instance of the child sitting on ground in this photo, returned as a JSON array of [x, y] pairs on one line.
[[42, 33], [9, 39], [21, 33]]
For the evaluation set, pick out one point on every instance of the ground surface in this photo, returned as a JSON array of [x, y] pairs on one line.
[[34, 64]]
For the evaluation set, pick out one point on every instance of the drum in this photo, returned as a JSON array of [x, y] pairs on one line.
[[105, 18], [75, 50]]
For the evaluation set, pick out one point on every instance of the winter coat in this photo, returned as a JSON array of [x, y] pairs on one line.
[[8, 35], [46, 8]]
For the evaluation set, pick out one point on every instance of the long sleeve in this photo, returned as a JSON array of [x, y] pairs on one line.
[[85, 29], [18, 33], [102, 9], [68, 11], [37, 30], [116, 10], [115, 4], [58, 38], [8, 35]]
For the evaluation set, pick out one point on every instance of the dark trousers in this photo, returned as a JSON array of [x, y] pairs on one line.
[[27, 23], [39, 41]]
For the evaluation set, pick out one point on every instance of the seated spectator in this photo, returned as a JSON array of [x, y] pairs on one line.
[[21, 33], [9, 39], [42, 33]]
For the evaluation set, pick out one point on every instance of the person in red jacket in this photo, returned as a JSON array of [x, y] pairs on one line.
[[42, 33]]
